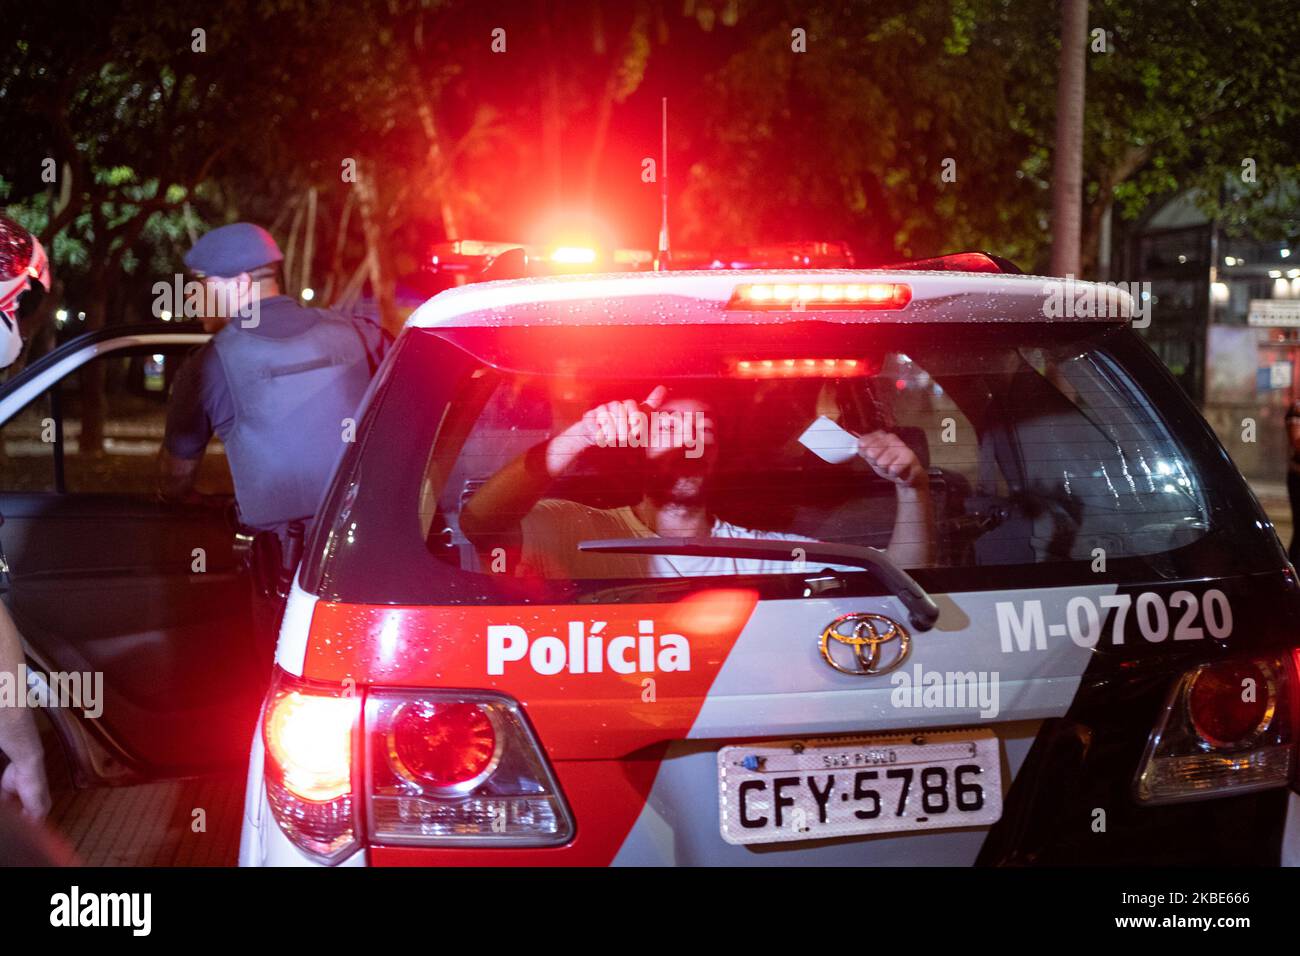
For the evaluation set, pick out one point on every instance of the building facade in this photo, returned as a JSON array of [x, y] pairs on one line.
[[1225, 319]]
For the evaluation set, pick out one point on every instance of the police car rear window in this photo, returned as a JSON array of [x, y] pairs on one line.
[[964, 453]]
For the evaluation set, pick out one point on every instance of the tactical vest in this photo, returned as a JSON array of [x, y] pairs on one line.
[[291, 396]]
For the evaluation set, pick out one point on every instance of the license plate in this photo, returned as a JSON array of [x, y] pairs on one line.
[[831, 787]]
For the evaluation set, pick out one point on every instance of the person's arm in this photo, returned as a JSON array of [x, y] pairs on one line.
[[186, 436], [912, 543], [176, 476], [24, 778], [491, 518]]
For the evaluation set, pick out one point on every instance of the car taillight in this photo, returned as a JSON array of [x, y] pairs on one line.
[[447, 768], [1227, 727], [451, 747], [1224, 715], [307, 733]]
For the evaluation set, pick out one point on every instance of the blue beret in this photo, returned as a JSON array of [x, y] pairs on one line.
[[230, 250]]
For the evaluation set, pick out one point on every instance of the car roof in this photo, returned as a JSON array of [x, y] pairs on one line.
[[702, 297]]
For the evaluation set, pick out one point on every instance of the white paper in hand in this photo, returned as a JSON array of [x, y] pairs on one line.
[[829, 442]]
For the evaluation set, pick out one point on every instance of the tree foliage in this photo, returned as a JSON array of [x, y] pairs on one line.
[[908, 128]]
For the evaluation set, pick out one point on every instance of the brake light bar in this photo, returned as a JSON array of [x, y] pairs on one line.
[[817, 296], [799, 368]]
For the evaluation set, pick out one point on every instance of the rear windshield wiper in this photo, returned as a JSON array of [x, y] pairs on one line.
[[921, 608]]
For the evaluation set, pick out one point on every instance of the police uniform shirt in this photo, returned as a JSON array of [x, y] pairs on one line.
[[201, 403]]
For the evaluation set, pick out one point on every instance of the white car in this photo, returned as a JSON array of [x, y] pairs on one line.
[[938, 579]]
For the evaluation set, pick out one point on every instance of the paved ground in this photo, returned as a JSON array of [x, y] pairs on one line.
[[152, 824]]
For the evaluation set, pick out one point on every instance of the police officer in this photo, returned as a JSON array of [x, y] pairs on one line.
[[24, 269], [277, 383]]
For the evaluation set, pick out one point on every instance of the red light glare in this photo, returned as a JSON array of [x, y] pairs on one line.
[[573, 255]]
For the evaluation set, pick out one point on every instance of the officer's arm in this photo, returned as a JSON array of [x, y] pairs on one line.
[[186, 436], [176, 476]]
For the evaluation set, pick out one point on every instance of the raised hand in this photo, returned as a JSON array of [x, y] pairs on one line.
[[617, 424], [890, 458]]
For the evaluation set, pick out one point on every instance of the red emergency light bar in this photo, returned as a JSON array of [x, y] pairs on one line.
[[785, 255], [958, 262], [820, 296], [471, 255], [474, 255]]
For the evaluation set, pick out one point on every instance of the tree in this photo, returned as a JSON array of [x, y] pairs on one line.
[[897, 130], [1067, 157], [1179, 95], [125, 117]]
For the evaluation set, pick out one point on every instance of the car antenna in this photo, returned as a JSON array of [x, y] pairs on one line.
[[663, 256]]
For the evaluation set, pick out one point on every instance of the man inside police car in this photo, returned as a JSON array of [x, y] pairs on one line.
[[510, 510], [279, 384]]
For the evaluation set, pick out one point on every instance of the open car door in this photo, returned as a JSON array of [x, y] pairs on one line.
[[144, 604]]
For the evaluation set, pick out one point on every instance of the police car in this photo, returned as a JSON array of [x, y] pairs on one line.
[[781, 567], [1090, 658], [975, 585]]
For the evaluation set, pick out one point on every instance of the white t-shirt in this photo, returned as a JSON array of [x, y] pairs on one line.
[[552, 530]]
